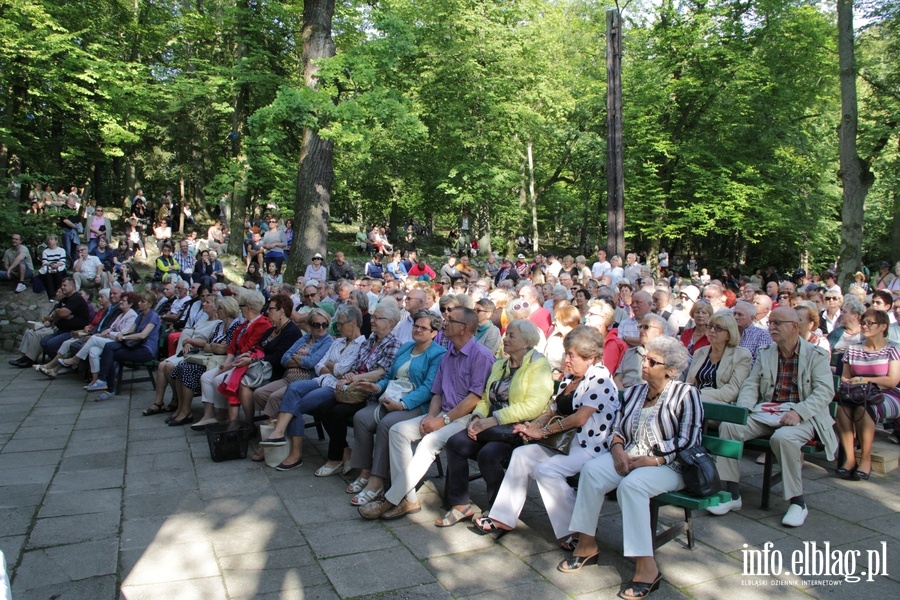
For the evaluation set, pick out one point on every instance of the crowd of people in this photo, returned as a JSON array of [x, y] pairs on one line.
[[493, 363]]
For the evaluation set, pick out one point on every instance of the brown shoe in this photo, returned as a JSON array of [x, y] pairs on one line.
[[404, 508], [373, 510]]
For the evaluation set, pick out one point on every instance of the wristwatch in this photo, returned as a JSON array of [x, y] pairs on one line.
[[446, 418]]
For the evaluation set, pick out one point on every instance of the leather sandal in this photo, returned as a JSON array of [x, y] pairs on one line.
[[576, 563], [156, 409], [487, 526], [454, 516], [640, 589], [366, 496], [358, 485], [569, 544]]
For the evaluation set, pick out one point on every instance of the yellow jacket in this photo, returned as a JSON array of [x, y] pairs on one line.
[[529, 390]]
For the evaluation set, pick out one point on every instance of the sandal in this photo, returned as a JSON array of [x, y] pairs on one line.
[[48, 372], [487, 526], [454, 516], [257, 457], [366, 496], [569, 544], [640, 589], [358, 485], [156, 409], [575, 563]]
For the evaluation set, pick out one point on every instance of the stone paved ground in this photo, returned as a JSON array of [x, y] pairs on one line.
[[98, 502]]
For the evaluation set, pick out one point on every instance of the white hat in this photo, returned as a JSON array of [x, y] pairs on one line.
[[522, 256], [316, 255]]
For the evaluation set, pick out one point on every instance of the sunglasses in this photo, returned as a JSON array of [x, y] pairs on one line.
[[319, 325], [653, 362]]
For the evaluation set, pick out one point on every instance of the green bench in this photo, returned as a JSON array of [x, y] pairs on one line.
[[716, 446]]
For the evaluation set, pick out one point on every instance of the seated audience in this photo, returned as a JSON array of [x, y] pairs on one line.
[[718, 370]]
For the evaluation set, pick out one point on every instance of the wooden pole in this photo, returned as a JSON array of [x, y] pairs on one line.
[[615, 172]]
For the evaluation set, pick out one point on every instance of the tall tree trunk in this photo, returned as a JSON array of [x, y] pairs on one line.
[[855, 174], [615, 171], [315, 173], [532, 200], [895, 243], [238, 130]]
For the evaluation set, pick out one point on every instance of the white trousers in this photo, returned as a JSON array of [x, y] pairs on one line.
[[550, 470], [209, 381], [633, 492], [407, 469], [91, 350]]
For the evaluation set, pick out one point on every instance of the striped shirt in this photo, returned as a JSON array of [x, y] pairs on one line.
[[864, 363]]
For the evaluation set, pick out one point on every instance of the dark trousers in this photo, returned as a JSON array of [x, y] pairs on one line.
[[51, 343], [115, 353], [491, 457], [335, 417]]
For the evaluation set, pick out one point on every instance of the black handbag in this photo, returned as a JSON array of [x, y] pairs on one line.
[[698, 468], [499, 433], [558, 442], [859, 394]]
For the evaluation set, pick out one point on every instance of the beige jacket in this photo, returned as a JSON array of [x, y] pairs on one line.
[[733, 369], [815, 386]]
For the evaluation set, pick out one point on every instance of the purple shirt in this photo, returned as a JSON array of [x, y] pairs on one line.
[[462, 372]]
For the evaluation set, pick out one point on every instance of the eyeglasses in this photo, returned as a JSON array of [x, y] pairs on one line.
[[340, 324], [309, 295], [828, 298], [447, 309], [273, 308], [868, 323], [717, 328], [455, 321], [243, 305], [422, 328], [319, 325], [377, 318], [784, 295], [778, 323], [653, 362]]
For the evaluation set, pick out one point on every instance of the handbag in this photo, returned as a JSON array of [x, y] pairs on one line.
[[558, 442], [859, 394], [206, 359], [350, 394], [297, 374], [258, 374], [500, 433], [698, 468]]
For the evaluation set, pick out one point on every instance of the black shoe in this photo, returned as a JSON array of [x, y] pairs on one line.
[[23, 362]]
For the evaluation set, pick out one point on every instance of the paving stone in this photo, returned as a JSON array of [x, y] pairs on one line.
[[820, 526], [347, 537], [95, 479], [55, 531], [38, 458], [364, 573], [156, 481], [420, 538], [64, 564], [81, 448], [863, 506], [17, 520], [730, 532], [50, 441], [81, 503], [95, 460], [12, 546], [193, 589], [250, 583], [536, 590], [428, 591], [182, 562], [609, 571], [161, 504], [496, 567], [23, 475], [84, 589], [683, 568], [29, 494], [178, 528]]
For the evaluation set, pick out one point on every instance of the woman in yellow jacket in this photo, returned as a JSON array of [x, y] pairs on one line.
[[517, 390]]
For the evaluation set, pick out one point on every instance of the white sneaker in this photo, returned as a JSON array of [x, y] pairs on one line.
[[795, 516], [20, 288], [725, 507]]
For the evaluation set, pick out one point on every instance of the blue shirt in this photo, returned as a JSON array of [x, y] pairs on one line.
[[152, 341]]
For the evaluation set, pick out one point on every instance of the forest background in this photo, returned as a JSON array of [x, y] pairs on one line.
[[731, 115]]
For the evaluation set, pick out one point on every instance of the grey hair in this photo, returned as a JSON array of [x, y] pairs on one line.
[[527, 330], [659, 321], [253, 299], [673, 352], [104, 292], [584, 341], [853, 305], [349, 312], [390, 311], [361, 299], [435, 320]]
